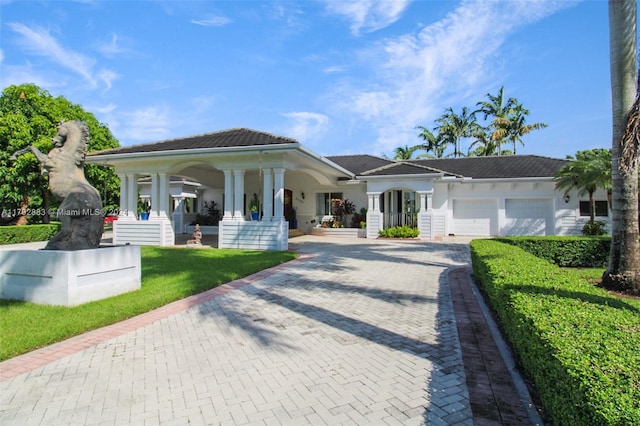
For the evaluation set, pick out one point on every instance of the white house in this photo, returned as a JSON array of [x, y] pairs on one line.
[[482, 196]]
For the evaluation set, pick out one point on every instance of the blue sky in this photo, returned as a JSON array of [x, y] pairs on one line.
[[342, 77]]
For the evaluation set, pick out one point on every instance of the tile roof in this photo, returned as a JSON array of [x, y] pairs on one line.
[[359, 164], [506, 166], [223, 139]]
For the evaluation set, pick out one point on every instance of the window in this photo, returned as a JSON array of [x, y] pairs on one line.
[[602, 208], [323, 202]]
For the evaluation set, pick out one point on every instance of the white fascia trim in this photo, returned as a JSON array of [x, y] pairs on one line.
[[509, 180], [100, 159], [437, 176]]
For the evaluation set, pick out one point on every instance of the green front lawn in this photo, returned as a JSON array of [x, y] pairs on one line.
[[168, 274]]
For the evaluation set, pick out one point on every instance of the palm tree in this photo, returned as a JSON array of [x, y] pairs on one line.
[[623, 270], [589, 171], [516, 127], [453, 127], [484, 145], [405, 153], [500, 109], [434, 144]]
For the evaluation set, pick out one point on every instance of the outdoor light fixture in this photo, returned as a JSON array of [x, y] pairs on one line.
[[567, 198], [302, 195]]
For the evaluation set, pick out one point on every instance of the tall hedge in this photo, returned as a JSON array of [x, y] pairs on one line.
[[566, 251], [28, 233], [579, 345]]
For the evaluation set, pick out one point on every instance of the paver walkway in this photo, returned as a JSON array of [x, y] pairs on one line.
[[353, 333]]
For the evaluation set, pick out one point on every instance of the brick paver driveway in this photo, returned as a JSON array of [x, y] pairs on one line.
[[356, 332]]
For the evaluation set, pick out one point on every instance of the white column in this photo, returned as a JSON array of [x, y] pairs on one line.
[[228, 196], [124, 202], [278, 211], [374, 201], [163, 196], [267, 190], [154, 196], [132, 196], [423, 201], [238, 195]]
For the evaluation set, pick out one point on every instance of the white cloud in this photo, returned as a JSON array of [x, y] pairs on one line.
[[307, 127], [212, 21], [107, 77], [441, 65], [333, 69], [368, 15], [16, 75], [38, 41], [146, 124], [113, 47]]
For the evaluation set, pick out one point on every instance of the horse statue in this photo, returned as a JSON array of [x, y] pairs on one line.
[[80, 209]]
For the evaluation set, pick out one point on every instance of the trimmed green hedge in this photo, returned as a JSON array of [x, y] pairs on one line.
[[28, 233], [404, 231], [579, 345], [566, 251]]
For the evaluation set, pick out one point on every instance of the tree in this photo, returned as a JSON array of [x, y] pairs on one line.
[[515, 125], [483, 145], [623, 270], [405, 153], [589, 171], [434, 144], [28, 116], [499, 108], [453, 127]]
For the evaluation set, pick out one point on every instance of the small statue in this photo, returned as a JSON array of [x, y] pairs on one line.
[[80, 209], [197, 237]]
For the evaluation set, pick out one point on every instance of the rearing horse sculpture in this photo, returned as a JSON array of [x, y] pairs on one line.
[[80, 209]]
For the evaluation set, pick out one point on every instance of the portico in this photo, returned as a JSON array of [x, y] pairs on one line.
[[231, 166]]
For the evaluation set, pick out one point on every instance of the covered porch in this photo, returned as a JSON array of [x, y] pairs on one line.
[[234, 166]]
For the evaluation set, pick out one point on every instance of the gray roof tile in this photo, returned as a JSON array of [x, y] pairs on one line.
[[223, 139], [506, 166]]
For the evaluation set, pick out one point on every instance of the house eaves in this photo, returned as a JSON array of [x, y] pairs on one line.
[[109, 159]]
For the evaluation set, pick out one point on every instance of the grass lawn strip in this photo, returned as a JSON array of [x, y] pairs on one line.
[[168, 274]]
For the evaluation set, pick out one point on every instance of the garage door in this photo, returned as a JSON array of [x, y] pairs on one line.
[[473, 217], [528, 217]]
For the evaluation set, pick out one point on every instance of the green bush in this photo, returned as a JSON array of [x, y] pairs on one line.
[[595, 228], [28, 233], [577, 344], [404, 231], [566, 251]]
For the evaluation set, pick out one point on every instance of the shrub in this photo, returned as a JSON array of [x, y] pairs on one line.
[[566, 251], [404, 231], [210, 216], [28, 233], [359, 218], [595, 228], [577, 344]]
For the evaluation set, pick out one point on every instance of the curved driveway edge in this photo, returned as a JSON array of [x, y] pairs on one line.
[[354, 332]]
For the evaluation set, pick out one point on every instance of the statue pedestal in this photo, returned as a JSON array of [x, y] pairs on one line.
[[69, 278]]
